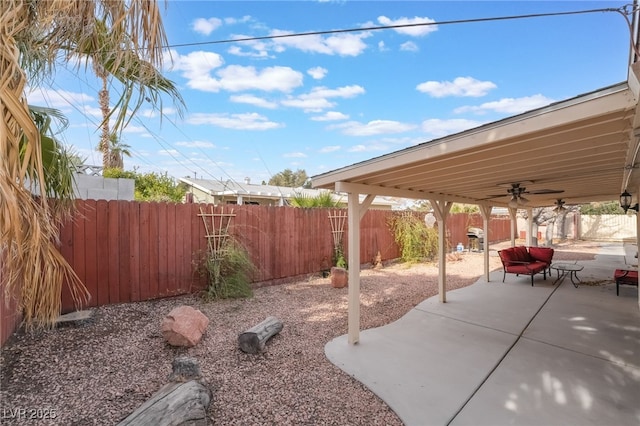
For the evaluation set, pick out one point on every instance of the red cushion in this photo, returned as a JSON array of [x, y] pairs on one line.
[[521, 254], [528, 269], [622, 275], [507, 256], [542, 254]]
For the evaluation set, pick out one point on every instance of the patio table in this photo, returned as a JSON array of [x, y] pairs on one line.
[[564, 269]]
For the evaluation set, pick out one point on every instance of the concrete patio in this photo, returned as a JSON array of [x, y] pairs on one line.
[[498, 354]]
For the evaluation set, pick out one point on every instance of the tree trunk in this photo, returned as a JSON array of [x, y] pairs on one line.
[[173, 405], [253, 340]]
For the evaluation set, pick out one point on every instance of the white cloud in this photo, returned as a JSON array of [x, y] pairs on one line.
[[196, 68], [152, 113], [416, 31], [381, 46], [331, 116], [350, 44], [135, 129], [368, 147], [61, 99], [253, 100], [196, 144], [250, 48], [206, 26], [318, 98], [409, 46], [168, 152], [236, 78], [460, 86], [243, 20], [249, 121], [308, 104], [509, 105], [295, 155], [331, 148], [438, 128], [375, 127], [317, 73]]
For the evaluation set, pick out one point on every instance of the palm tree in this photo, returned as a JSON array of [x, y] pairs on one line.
[[117, 151], [32, 37]]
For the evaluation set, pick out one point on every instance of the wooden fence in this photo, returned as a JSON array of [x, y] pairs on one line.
[[130, 251]]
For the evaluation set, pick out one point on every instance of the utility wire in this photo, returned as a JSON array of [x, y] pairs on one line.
[[627, 9]]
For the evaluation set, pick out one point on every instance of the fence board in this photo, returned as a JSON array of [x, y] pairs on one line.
[[124, 230], [79, 265], [90, 251], [163, 250], [134, 251], [144, 250], [154, 250], [102, 252], [114, 255]]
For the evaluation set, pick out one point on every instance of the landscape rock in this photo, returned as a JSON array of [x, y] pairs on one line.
[[339, 277], [184, 369], [184, 326]]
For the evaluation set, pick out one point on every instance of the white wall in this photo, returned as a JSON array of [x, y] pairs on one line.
[[99, 188]]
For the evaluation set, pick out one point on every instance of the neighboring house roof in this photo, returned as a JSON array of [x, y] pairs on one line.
[[248, 190]]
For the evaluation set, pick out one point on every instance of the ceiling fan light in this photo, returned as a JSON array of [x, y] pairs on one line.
[[522, 201], [513, 202]]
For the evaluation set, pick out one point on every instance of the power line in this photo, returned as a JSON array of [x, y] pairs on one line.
[[624, 10]]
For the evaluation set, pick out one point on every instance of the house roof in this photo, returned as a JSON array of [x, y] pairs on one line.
[[584, 146], [233, 188]]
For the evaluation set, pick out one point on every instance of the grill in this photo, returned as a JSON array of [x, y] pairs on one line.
[[476, 239]]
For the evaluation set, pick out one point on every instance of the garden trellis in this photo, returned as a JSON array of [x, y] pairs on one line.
[[338, 219]]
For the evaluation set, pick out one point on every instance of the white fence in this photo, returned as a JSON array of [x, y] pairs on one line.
[[586, 227], [613, 227]]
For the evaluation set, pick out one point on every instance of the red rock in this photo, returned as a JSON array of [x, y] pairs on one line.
[[184, 326], [339, 277]]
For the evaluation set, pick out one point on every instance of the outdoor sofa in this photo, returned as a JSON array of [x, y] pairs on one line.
[[523, 260]]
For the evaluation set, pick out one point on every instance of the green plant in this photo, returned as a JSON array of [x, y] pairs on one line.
[[417, 241], [229, 274], [151, 186], [323, 199], [338, 256]]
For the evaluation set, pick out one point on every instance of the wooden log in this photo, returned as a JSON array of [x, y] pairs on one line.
[[184, 401], [253, 340], [173, 405]]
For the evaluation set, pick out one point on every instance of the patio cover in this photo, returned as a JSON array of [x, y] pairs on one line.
[[586, 146]]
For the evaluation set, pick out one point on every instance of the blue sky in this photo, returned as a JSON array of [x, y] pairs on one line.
[[323, 102]]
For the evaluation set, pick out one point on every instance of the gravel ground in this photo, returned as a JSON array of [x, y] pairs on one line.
[[99, 371]]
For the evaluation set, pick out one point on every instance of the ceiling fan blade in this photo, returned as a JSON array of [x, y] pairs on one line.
[[546, 191], [495, 196]]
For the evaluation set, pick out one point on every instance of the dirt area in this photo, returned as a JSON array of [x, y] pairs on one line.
[[99, 371]]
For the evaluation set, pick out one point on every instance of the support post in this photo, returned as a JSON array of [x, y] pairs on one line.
[[529, 227], [638, 242], [353, 212], [485, 211], [441, 211], [513, 214]]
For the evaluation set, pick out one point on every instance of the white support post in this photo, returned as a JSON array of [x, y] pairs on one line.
[[353, 212], [441, 211], [638, 241], [513, 214], [485, 211], [529, 227]]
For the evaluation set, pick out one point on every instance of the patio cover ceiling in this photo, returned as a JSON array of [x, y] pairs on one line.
[[586, 146]]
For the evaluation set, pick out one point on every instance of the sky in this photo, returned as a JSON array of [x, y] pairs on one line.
[[323, 102]]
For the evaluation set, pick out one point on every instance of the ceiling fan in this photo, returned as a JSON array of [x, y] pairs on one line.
[[559, 208], [516, 191]]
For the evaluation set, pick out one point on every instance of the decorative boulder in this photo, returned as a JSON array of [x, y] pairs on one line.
[[339, 277], [184, 326]]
